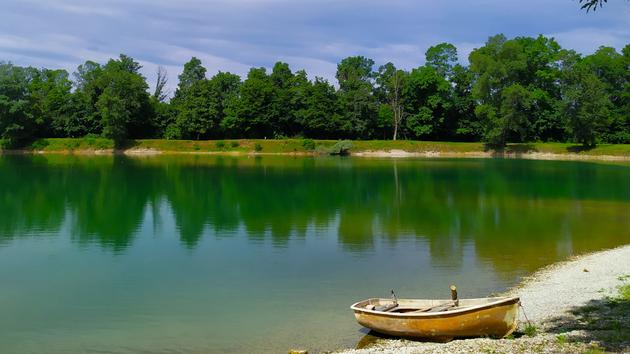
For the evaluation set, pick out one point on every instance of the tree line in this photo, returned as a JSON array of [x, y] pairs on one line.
[[514, 90]]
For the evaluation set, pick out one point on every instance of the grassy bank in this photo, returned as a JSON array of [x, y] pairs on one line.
[[307, 146]]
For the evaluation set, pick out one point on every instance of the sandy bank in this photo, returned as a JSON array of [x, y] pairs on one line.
[[484, 154], [568, 302], [394, 153]]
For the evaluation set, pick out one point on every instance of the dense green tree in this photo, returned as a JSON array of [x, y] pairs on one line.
[[50, 101], [515, 90], [356, 99], [281, 110], [467, 126], [197, 111], [253, 114], [533, 64], [611, 69], [201, 107], [426, 96], [586, 105], [84, 117], [193, 72], [320, 117], [299, 90], [123, 104], [442, 58], [17, 122]]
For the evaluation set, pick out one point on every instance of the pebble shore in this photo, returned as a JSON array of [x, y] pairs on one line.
[[568, 303]]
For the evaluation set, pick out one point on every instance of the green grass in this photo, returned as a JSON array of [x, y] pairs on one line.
[[624, 293], [309, 146], [562, 339], [70, 144], [530, 330]]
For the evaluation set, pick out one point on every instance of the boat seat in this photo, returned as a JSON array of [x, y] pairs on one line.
[[437, 308], [386, 308]]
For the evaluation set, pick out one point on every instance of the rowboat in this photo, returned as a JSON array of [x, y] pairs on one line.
[[439, 320]]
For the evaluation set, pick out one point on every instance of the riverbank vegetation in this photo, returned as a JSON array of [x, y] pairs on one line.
[[316, 147], [514, 91]]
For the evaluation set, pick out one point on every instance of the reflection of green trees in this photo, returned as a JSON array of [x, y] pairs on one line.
[[517, 215], [26, 207], [107, 201]]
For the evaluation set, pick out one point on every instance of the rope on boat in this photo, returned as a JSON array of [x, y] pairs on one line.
[[524, 314]]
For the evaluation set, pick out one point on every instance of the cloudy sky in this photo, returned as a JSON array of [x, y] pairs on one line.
[[233, 35]]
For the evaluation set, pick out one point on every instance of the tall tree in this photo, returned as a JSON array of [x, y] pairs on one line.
[[529, 63], [426, 95], [466, 124], [611, 69], [193, 72], [586, 105], [84, 118], [50, 101], [160, 94], [358, 104], [390, 87], [252, 114], [17, 122], [442, 58], [320, 117], [123, 105], [280, 109]]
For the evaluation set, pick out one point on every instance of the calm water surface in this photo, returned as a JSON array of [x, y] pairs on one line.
[[182, 254]]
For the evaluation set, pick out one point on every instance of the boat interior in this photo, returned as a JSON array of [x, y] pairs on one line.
[[422, 306]]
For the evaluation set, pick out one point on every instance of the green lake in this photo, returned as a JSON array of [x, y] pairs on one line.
[[205, 254]]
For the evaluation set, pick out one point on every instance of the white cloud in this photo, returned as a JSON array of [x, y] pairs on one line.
[[587, 40], [233, 35]]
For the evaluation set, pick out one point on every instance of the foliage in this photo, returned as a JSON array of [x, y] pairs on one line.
[[356, 99], [341, 148], [308, 144], [586, 106], [442, 58], [258, 147], [124, 102], [514, 90], [592, 4]]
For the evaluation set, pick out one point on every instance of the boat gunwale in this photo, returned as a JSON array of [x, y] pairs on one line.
[[501, 301]]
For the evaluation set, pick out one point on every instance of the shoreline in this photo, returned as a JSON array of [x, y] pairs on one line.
[[308, 147], [393, 153], [571, 304]]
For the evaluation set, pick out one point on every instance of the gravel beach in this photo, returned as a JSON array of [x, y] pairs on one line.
[[570, 304]]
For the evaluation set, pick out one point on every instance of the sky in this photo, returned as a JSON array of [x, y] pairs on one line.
[[234, 35]]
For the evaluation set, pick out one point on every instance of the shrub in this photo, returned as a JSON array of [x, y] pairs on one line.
[[72, 144], [220, 144], [234, 144], [40, 144], [308, 144], [258, 147], [341, 148], [173, 132]]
